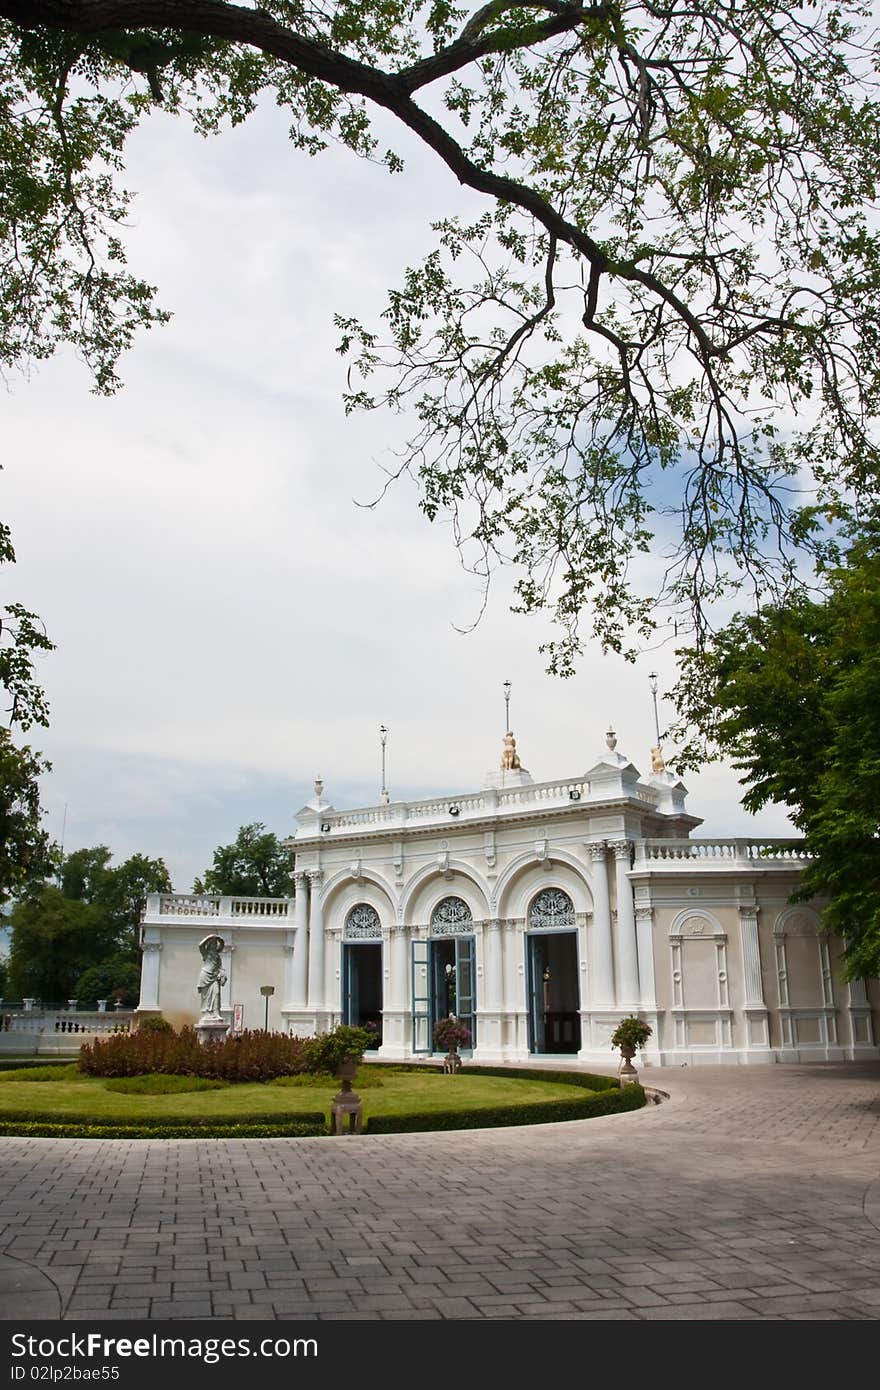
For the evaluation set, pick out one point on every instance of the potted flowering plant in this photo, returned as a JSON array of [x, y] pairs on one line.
[[339, 1052], [452, 1035], [630, 1034]]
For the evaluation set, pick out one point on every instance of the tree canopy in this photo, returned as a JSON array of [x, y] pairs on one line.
[[54, 940], [26, 854], [86, 875], [792, 696], [86, 928], [255, 865], [663, 331]]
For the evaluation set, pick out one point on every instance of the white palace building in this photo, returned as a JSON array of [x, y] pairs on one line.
[[539, 913]]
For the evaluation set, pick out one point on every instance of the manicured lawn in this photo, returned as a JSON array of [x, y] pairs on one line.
[[400, 1093]]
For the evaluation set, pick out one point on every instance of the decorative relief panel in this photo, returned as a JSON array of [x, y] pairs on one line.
[[362, 921], [551, 908], [452, 917], [694, 926]]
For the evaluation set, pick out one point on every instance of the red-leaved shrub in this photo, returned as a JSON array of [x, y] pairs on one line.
[[251, 1056]]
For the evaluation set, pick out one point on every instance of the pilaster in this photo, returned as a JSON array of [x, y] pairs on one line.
[[755, 1012], [601, 954], [625, 948]]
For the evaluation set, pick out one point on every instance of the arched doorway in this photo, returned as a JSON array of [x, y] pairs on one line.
[[444, 974], [362, 970], [552, 959]]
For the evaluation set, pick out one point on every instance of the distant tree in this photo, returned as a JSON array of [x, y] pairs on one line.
[[54, 941], [27, 855], [84, 873], [792, 695], [87, 876], [124, 894], [254, 866], [117, 979]]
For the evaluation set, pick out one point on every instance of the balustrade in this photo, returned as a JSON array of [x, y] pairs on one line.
[[733, 852]]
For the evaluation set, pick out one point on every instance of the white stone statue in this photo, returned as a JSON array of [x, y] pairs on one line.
[[510, 758], [211, 977]]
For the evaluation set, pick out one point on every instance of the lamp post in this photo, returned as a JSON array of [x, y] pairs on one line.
[[652, 681], [267, 991], [507, 707], [383, 739]]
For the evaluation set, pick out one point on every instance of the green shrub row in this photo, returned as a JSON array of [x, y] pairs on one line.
[[14, 1124], [16, 1063], [68, 1072], [586, 1080], [571, 1078], [215, 1129], [607, 1102]]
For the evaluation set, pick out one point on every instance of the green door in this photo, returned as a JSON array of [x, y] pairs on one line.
[[351, 1005], [422, 1040], [536, 962], [466, 993]]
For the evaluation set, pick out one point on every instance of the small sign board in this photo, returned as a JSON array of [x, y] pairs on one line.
[[237, 1019]]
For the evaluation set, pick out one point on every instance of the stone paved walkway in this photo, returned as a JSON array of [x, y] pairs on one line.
[[751, 1193]]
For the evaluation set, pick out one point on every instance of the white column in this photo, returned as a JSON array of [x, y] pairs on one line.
[[514, 995], [516, 1043], [299, 971], [601, 959], [626, 953], [494, 967], [333, 974], [397, 985], [150, 976], [316, 941], [754, 1008]]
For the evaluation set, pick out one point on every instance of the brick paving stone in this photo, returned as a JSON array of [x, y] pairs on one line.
[[753, 1192]]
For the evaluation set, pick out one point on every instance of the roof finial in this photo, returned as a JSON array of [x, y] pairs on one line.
[[611, 738], [319, 787], [383, 790]]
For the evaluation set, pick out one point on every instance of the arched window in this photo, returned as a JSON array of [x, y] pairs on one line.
[[361, 921], [451, 917], [551, 908]]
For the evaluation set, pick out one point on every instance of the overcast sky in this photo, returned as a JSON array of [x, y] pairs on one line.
[[229, 624]]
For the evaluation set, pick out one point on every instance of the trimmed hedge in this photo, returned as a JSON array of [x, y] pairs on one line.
[[9, 1124], [584, 1079], [610, 1101], [16, 1063], [28, 1074], [299, 1129]]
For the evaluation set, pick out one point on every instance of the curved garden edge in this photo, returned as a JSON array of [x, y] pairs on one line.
[[605, 1097]]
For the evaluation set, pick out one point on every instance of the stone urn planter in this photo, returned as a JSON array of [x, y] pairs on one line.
[[346, 1073], [452, 1035], [627, 1070], [630, 1034], [338, 1054]]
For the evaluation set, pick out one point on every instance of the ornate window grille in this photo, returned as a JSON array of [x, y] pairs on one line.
[[551, 908], [451, 917], [362, 921]]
